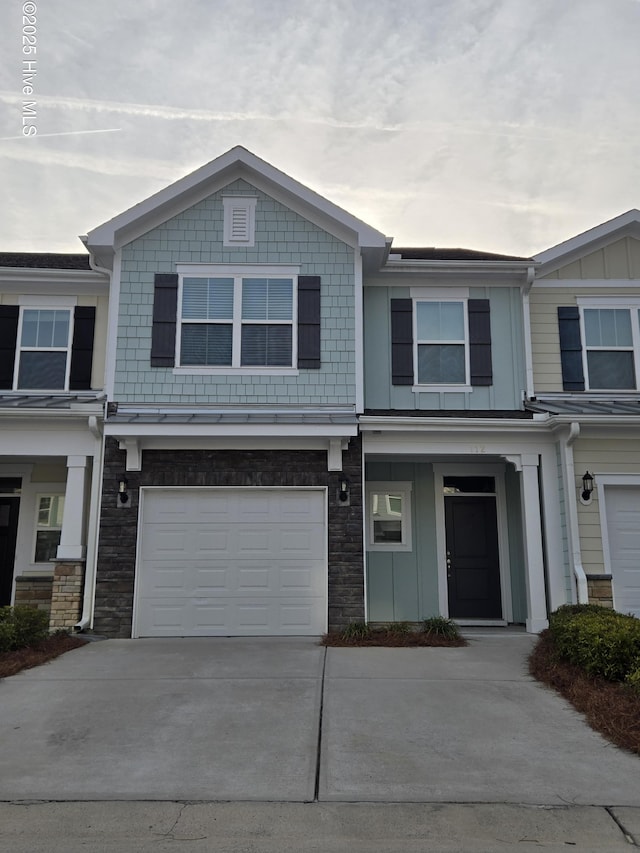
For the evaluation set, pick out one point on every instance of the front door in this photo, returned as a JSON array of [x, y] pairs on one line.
[[8, 534], [473, 567]]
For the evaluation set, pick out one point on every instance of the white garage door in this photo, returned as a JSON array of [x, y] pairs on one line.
[[623, 528], [231, 562]]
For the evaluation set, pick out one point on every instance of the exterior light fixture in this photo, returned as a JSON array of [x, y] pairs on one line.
[[343, 491], [123, 494], [587, 486]]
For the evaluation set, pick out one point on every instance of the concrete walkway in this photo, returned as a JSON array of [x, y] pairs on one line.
[[341, 744]]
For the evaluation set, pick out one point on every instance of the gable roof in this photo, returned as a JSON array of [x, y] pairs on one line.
[[627, 224], [237, 163]]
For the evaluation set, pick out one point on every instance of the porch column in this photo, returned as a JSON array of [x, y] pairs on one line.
[[532, 528], [71, 545]]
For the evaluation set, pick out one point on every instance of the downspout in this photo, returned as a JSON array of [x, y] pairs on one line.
[[94, 518], [574, 531], [526, 319], [91, 563]]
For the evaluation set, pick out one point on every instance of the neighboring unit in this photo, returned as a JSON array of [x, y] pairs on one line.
[[585, 334], [53, 321]]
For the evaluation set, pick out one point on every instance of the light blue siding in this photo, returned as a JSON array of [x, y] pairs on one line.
[[195, 236], [507, 355]]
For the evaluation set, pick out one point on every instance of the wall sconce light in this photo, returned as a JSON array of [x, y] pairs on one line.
[[587, 486], [343, 491], [123, 494]]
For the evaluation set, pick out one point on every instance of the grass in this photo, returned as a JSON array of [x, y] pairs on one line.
[[436, 632], [41, 652], [610, 708]]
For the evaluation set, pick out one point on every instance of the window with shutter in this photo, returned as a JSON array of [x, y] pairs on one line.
[[248, 318]]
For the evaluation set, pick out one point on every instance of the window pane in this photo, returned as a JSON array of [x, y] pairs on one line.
[[44, 328], [440, 321], [206, 345], [386, 510], [608, 327], [264, 346], [458, 485], [267, 299], [441, 364], [47, 542], [611, 370], [42, 370], [207, 298]]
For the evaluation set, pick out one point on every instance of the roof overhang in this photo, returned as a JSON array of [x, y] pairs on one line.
[[238, 163], [627, 224]]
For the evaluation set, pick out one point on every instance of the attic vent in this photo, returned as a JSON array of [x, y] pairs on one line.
[[239, 220]]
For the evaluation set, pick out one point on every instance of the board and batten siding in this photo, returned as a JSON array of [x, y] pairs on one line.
[[612, 456], [545, 335], [505, 391], [195, 236], [620, 259]]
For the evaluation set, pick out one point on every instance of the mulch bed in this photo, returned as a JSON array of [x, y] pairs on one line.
[[13, 662], [413, 639], [612, 709]]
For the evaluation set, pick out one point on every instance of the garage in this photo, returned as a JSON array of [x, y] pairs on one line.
[[623, 533], [231, 562]]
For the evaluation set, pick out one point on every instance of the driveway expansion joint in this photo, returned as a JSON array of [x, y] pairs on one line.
[[316, 790], [627, 835]]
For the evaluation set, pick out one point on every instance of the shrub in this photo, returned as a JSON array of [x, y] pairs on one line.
[[22, 626], [355, 631], [398, 629], [598, 639], [441, 627]]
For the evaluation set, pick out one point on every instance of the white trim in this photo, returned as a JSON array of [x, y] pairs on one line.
[[404, 488], [632, 306], [436, 386], [439, 294], [473, 469], [586, 283], [146, 489], [258, 270], [112, 327], [359, 331], [35, 305], [610, 229], [33, 300], [434, 389], [609, 301], [258, 370], [37, 529]]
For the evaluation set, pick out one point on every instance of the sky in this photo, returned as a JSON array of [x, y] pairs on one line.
[[501, 125]]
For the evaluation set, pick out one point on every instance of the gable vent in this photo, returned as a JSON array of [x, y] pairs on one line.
[[239, 220]]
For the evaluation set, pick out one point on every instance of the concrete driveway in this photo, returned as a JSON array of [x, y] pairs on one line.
[[286, 720]]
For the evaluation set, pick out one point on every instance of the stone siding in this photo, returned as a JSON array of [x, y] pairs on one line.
[[119, 525], [600, 591], [66, 595], [34, 591]]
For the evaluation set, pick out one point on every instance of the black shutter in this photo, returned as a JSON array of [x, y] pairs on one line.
[[82, 348], [402, 342], [8, 339], [570, 348], [309, 321], [165, 307], [480, 342]]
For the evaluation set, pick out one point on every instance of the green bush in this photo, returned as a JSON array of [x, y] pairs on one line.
[[356, 631], [440, 626], [633, 678], [599, 640], [22, 626], [399, 629]]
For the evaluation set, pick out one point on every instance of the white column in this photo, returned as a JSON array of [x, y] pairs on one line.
[[71, 545], [536, 601], [556, 573]]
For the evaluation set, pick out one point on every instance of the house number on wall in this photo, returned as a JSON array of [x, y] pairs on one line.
[[478, 448]]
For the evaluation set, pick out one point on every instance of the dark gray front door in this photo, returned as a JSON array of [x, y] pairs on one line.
[[473, 568], [8, 533]]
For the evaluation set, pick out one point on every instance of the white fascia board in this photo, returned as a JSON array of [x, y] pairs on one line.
[[15, 279], [599, 284], [458, 274], [476, 447], [123, 431], [173, 442], [592, 239], [370, 423], [213, 176]]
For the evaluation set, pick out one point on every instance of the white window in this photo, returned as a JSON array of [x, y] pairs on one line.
[[389, 511], [50, 509], [237, 320], [611, 345], [239, 220], [441, 337], [42, 356]]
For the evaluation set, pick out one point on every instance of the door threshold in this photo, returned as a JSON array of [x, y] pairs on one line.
[[481, 623]]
